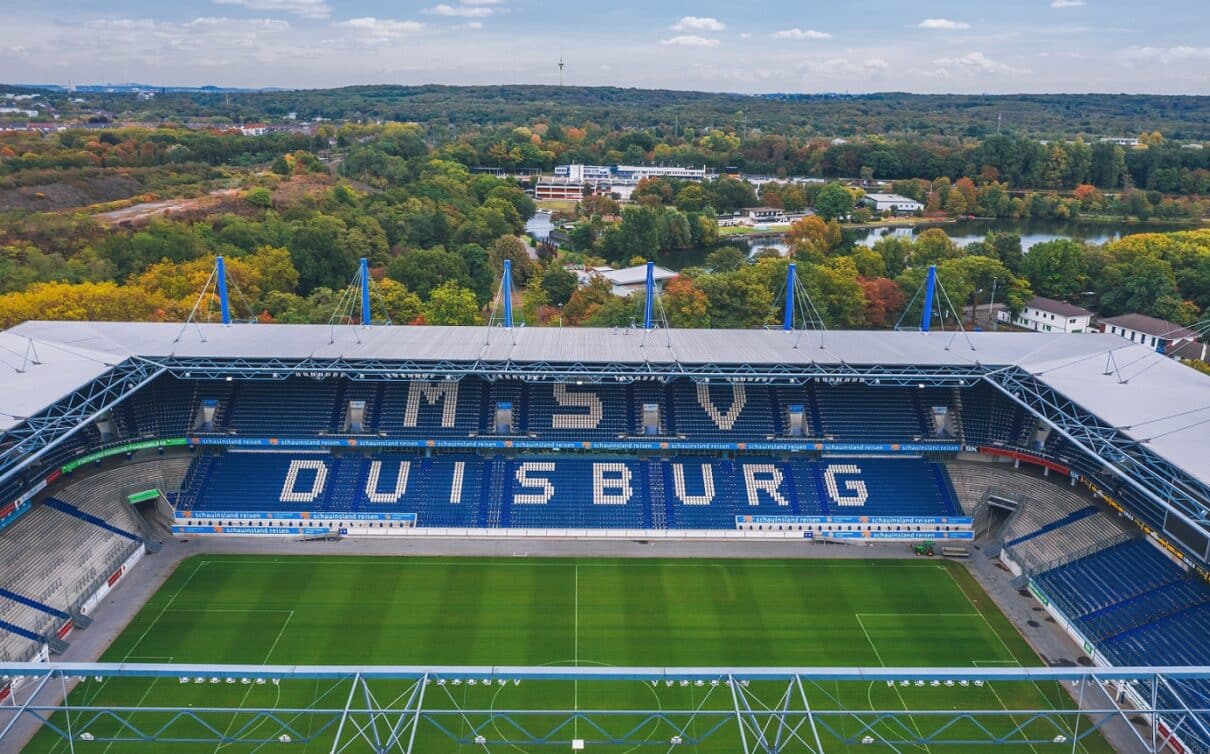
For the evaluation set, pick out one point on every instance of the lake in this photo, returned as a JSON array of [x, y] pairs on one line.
[[962, 232], [1032, 232]]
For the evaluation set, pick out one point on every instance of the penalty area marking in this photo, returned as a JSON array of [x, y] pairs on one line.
[[898, 693]]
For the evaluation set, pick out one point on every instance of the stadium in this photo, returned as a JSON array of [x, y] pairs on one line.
[[373, 538]]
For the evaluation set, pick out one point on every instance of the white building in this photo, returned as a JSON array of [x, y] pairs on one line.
[[628, 279], [578, 172], [1048, 315], [764, 215], [559, 188], [1122, 141], [639, 172], [1159, 334], [894, 203]]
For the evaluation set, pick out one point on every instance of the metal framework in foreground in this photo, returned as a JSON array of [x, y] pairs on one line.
[[754, 710]]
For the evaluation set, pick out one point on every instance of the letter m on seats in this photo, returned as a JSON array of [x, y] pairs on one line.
[[445, 393]]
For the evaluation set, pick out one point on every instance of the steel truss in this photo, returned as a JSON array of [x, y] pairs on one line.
[[539, 371], [1132, 462], [40, 433], [757, 710]]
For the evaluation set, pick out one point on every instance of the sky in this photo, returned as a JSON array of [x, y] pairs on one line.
[[971, 46]]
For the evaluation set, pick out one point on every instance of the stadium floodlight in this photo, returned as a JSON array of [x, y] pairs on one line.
[[675, 741], [285, 739], [1060, 739], [481, 740], [86, 736], [867, 740]]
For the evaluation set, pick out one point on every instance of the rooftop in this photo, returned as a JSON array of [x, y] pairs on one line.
[[1151, 326], [890, 198], [1054, 306]]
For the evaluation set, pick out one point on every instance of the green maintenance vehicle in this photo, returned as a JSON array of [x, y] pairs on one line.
[[924, 548]]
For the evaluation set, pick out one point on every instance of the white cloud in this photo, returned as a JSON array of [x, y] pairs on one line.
[[840, 66], [459, 11], [381, 29], [745, 35], [304, 8], [689, 40], [1066, 3], [797, 33], [470, 26], [482, 2], [942, 23], [976, 62], [1163, 55], [696, 23]]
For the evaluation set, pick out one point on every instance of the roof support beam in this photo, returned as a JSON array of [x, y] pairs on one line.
[[1119, 454], [43, 432]]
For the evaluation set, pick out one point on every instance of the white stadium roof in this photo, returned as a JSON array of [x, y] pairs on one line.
[[1149, 397]]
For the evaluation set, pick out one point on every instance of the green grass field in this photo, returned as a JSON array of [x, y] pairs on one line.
[[525, 611]]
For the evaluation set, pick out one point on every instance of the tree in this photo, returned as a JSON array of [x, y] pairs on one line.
[[85, 301], [933, 246], [559, 283], [424, 270], [737, 299], [585, 299], [259, 197], [834, 201], [685, 304], [895, 252], [1135, 284], [319, 254], [837, 294], [516, 251], [726, 259], [479, 270], [811, 237], [730, 195], [393, 301], [451, 304], [884, 301], [1057, 269]]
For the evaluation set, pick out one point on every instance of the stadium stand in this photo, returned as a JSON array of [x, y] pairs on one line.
[[706, 411], [552, 491], [57, 555], [859, 412], [292, 407]]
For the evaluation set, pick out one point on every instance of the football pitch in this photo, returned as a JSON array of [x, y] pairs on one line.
[[567, 612]]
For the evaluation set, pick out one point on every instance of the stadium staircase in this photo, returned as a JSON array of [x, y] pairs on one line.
[[71, 510], [30, 602]]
